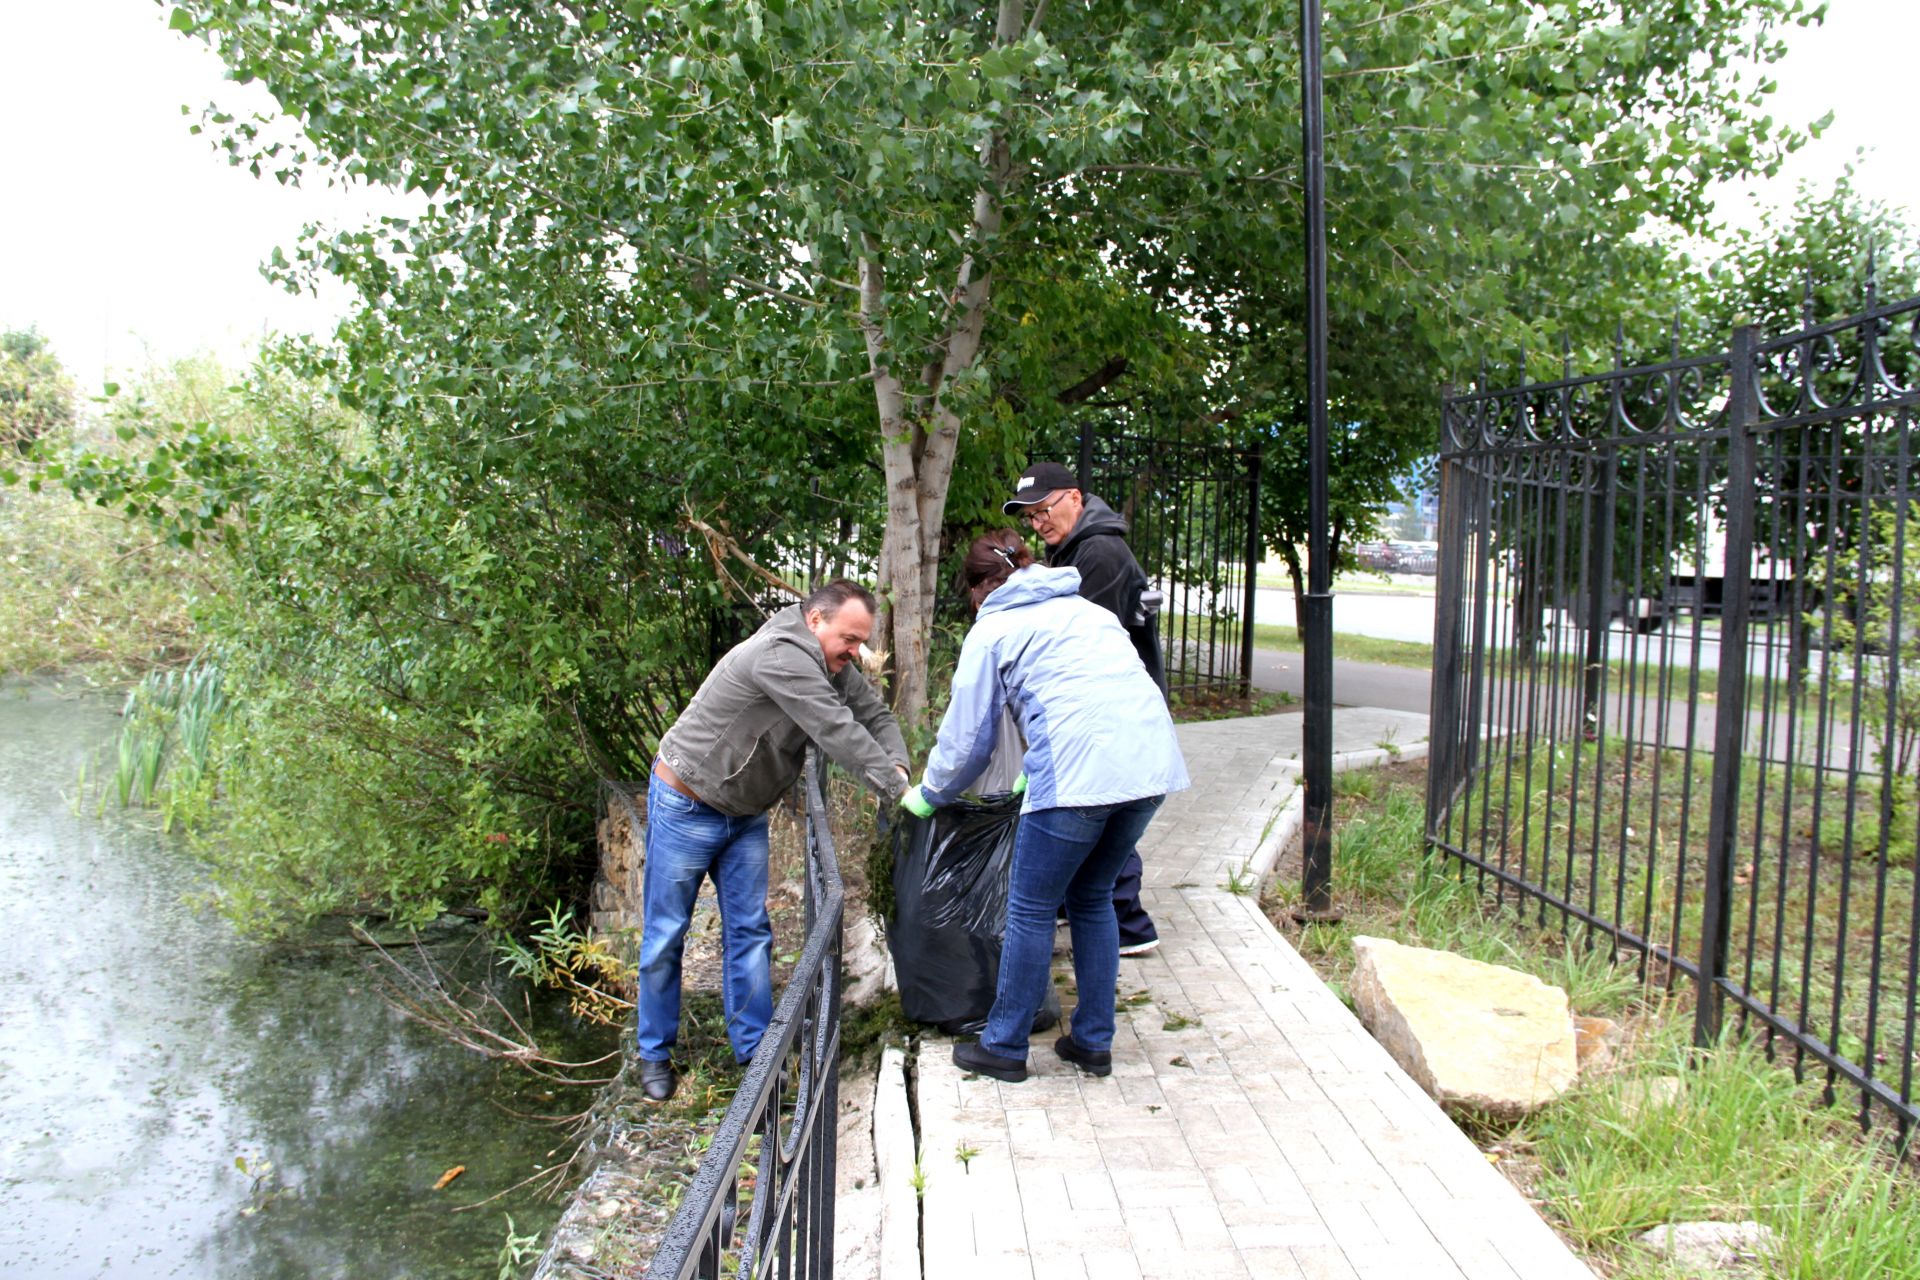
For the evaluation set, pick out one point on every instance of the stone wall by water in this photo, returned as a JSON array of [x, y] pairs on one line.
[[615, 900]]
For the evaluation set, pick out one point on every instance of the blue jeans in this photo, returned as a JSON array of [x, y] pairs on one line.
[[686, 842], [1070, 855]]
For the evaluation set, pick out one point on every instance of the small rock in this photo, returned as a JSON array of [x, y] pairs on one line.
[[607, 1208], [1596, 1041], [1730, 1247], [1637, 1096], [865, 964]]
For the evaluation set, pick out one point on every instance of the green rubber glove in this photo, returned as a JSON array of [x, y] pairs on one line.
[[1020, 784], [915, 803]]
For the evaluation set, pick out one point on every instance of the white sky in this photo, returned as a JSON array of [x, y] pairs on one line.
[[125, 239], [1857, 65]]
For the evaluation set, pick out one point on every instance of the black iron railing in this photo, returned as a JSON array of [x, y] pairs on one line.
[[1193, 512], [762, 1201], [1676, 698]]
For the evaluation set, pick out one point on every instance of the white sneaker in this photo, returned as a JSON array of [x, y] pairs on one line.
[[1140, 948]]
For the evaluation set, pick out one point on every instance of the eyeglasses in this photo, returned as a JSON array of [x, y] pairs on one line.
[[1035, 516]]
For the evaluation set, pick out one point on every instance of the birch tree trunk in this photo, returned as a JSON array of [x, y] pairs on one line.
[[920, 433]]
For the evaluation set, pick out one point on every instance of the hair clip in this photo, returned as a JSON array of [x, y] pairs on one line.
[[1006, 553]]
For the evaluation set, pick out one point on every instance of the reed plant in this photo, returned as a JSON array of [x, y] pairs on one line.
[[167, 732]]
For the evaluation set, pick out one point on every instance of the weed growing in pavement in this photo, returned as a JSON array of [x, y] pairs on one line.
[[865, 1030]]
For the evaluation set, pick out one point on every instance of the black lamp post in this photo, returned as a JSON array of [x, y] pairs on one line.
[[1316, 832]]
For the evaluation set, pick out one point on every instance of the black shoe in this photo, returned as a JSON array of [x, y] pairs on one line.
[[970, 1055], [1094, 1064], [658, 1080]]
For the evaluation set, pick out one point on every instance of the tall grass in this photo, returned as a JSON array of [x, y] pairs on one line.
[[1389, 887], [1736, 1139], [84, 592]]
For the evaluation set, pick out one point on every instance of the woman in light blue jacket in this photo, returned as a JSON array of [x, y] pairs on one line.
[[1101, 757]]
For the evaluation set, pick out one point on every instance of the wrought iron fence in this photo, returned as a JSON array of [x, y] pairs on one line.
[[772, 1158], [1676, 698], [1193, 510]]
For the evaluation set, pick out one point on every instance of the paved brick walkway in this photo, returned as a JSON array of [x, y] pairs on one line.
[[1251, 1127]]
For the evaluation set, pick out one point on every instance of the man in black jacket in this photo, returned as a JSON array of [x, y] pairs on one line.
[[1081, 530]]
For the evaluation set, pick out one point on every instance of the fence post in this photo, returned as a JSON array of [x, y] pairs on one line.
[[1443, 714], [1600, 513], [1730, 710], [1084, 464], [1253, 570]]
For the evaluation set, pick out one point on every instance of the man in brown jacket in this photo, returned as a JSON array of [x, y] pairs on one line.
[[738, 747]]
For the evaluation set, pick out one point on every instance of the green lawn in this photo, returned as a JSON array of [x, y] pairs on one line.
[[1349, 648], [1359, 583]]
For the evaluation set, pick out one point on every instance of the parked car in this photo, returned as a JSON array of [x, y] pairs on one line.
[[1373, 555], [1414, 557]]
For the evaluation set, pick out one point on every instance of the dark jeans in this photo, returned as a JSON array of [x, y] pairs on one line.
[[1136, 926], [1069, 855]]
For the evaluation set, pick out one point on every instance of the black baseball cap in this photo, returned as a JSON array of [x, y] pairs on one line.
[[1041, 479]]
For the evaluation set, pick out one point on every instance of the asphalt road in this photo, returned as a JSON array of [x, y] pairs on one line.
[[1408, 616], [1385, 616], [1355, 684], [1675, 722]]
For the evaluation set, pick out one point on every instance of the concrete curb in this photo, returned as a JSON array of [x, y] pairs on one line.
[[1286, 825], [894, 1156]]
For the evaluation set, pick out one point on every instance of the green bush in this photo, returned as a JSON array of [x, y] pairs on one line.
[[436, 631]]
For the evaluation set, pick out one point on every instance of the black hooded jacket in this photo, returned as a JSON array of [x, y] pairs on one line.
[[1111, 577]]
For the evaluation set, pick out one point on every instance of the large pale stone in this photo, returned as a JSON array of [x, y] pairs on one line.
[[1477, 1037]]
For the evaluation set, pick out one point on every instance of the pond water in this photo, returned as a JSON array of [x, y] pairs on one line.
[[145, 1048]]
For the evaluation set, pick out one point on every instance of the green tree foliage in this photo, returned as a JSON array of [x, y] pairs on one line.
[[677, 265], [428, 663], [688, 217], [1829, 255], [1808, 263], [1502, 180], [36, 396]]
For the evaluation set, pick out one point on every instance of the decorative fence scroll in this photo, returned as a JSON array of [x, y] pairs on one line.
[[1676, 701]]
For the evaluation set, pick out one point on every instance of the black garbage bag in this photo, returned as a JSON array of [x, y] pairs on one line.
[[950, 913]]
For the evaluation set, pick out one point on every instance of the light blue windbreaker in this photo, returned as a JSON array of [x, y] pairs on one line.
[[1097, 728]]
